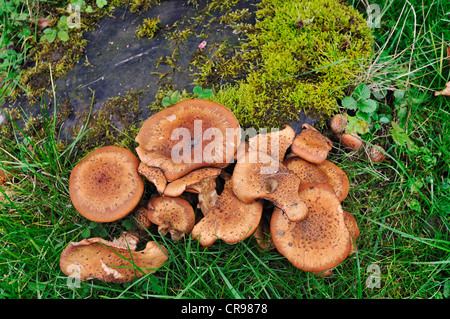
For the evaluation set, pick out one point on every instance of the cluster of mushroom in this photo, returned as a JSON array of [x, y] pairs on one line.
[[352, 141], [277, 186]]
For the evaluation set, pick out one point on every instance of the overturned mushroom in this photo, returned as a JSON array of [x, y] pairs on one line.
[[201, 181], [174, 138], [319, 242], [105, 186], [154, 175], [173, 215], [116, 262], [230, 220], [311, 145], [259, 176]]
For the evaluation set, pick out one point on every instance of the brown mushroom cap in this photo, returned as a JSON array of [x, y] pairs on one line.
[[274, 143], [307, 172], [319, 242], [173, 215], [337, 179], [201, 181], [110, 262], [353, 229], [230, 220], [154, 175], [178, 155], [376, 154], [311, 145], [194, 182], [338, 123], [256, 177], [105, 186], [350, 141]]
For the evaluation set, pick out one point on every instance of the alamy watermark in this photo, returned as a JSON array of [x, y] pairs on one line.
[[373, 16]]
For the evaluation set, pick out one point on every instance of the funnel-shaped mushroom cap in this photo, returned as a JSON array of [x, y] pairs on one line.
[[259, 176], [189, 135], [274, 143], [319, 242], [230, 219], [173, 215], [307, 172], [106, 186], [106, 261], [154, 175], [311, 145], [337, 178]]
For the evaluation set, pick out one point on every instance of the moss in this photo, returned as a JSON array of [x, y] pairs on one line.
[[299, 56], [117, 122], [148, 28]]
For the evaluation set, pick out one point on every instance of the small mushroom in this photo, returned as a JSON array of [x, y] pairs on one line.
[[338, 123], [311, 145], [154, 175], [188, 135], [116, 261], [274, 143], [319, 242], [173, 215], [337, 178], [105, 186], [201, 181], [376, 154], [353, 229], [256, 175], [230, 220], [350, 141], [141, 220]]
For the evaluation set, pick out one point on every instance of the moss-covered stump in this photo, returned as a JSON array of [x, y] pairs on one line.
[[299, 56]]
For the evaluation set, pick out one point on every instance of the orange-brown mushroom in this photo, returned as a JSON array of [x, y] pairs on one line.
[[353, 229], [105, 186], [319, 242], [376, 154], [350, 141], [230, 220], [116, 261], [201, 181], [311, 145], [338, 123], [154, 175], [256, 175], [337, 178], [189, 135], [307, 172], [173, 215], [274, 143]]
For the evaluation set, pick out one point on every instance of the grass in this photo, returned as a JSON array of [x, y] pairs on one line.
[[402, 205]]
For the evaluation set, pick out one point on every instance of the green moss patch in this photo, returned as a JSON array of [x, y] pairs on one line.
[[299, 55]]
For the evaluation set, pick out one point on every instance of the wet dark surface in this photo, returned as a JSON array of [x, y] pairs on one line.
[[117, 62]]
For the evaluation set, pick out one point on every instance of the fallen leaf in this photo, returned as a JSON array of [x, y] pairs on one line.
[[446, 91]]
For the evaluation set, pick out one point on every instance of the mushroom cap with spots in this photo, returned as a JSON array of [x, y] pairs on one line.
[[256, 175], [154, 175], [188, 135], [274, 143], [116, 262], [173, 215], [311, 145], [307, 172], [230, 219], [319, 242], [105, 186], [337, 178]]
